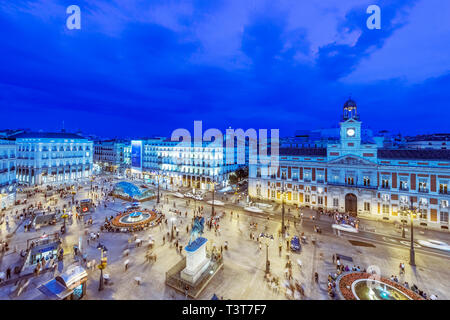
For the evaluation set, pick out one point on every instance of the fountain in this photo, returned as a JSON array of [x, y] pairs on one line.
[[364, 286], [376, 290], [130, 219]]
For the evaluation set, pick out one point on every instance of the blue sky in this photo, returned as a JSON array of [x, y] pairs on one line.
[[148, 67]]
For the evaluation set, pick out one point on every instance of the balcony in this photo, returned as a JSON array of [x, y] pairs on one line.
[[423, 190], [403, 188], [444, 191], [340, 184]]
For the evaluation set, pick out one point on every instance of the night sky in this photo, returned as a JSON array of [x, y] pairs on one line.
[[142, 68]]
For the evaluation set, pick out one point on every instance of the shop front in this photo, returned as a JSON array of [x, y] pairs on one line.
[[70, 285]]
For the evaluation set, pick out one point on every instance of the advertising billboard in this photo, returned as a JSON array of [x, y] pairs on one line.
[[136, 155]]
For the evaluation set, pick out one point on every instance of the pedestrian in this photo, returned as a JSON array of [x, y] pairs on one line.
[[8, 273], [334, 258]]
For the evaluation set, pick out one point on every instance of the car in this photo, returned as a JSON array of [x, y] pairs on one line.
[[199, 198], [188, 195], [435, 244], [178, 195], [295, 244], [344, 227]]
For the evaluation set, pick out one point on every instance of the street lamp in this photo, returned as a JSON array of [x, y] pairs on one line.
[[102, 264], [213, 192], [173, 219], [282, 209], [412, 256], [267, 240], [411, 211]]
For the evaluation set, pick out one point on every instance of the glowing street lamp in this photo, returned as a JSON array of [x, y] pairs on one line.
[[102, 265], [173, 219], [268, 239]]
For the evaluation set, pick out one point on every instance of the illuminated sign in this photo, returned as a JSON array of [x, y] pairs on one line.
[[136, 155]]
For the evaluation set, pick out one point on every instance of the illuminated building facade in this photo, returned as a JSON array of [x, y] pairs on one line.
[[356, 176]]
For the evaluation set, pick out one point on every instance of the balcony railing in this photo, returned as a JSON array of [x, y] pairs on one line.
[[423, 190], [340, 184]]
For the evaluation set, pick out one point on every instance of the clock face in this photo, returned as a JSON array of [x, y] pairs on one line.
[[350, 132]]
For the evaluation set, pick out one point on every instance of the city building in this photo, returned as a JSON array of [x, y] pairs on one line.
[[354, 175], [182, 166], [59, 157], [7, 173], [110, 155], [429, 141]]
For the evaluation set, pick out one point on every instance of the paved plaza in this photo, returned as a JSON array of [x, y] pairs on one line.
[[242, 276]]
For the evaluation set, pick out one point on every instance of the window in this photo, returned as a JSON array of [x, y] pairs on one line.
[[320, 200], [444, 203], [366, 181], [385, 208], [443, 217], [403, 199], [335, 202], [385, 197], [423, 186], [423, 212], [443, 188], [350, 180], [307, 176], [385, 183], [404, 185], [366, 206], [283, 175], [307, 198]]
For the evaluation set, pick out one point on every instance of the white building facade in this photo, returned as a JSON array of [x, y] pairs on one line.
[[182, 166], [355, 176], [53, 158], [7, 173], [110, 155]]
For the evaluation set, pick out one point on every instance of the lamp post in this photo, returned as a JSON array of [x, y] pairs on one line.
[[102, 265], [282, 209], [173, 219], [267, 240], [412, 256], [213, 192]]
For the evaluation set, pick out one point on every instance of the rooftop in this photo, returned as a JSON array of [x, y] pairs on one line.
[[48, 135], [414, 154]]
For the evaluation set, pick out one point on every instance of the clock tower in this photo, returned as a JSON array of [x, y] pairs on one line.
[[350, 126]]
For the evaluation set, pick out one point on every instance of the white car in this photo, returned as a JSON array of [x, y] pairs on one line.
[[178, 195], [253, 209], [188, 195], [344, 227], [435, 244], [199, 198]]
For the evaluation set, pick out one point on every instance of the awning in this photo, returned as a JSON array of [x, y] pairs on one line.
[[54, 290]]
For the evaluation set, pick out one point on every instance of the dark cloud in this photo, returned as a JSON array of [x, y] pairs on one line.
[[144, 80]]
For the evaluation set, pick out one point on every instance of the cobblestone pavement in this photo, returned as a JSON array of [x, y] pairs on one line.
[[242, 276]]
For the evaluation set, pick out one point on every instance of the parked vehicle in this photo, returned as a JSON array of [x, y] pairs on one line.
[[295, 244]]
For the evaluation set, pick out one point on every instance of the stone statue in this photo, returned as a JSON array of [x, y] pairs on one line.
[[197, 229]]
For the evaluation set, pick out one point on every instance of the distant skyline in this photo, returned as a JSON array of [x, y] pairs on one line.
[[146, 68]]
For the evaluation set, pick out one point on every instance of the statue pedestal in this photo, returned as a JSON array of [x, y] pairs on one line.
[[196, 260]]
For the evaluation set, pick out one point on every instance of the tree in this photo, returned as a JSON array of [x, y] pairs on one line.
[[233, 178], [242, 173]]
